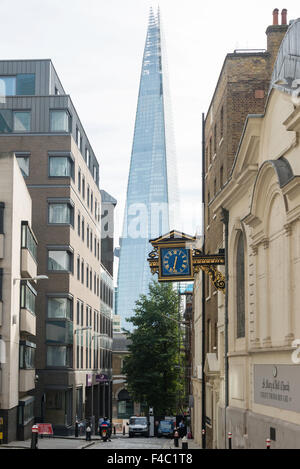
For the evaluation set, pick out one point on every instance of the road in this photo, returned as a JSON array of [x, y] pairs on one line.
[[136, 443]]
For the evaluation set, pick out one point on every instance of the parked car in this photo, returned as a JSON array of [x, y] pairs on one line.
[[138, 426], [165, 428]]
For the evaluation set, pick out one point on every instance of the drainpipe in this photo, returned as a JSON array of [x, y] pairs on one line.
[[203, 290], [225, 220]]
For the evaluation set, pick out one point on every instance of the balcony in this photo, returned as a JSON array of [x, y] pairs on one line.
[[27, 380], [29, 252], [27, 322], [28, 264]]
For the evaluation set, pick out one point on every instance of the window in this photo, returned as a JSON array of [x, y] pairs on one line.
[[78, 224], [83, 187], [23, 162], [60, 332], [87, 276], [61, 214], [78, 139], [60, 121], [6, 121], [59, 356], [240, 286], [21, 121], [88, 196], [87, 157], [222, 123], [28, 240], [27, 355], [20, 85], [2, 206], [221, 176], [1, 284], [78, 268], [26, 84], [7, 86], [61, 166], [79, 318], [60, 308], [208, 210], [82, 272], [28, 295], [60, 260], [79, 180], [95, 173], [82, 229], [215, 139], [25, 410]]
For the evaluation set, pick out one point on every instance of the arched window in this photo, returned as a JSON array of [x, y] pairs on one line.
[[240, 286]]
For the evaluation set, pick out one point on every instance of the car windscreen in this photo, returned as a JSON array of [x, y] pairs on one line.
[[138, 421], [165, 424]]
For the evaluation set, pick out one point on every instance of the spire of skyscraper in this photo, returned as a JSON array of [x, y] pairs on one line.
[[152, 192]]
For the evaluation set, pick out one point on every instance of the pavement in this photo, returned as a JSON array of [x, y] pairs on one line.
[[120, 441], [191, 444]]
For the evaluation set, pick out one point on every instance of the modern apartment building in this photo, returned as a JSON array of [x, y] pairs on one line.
[[40, 124], [242, 89], [18, 268]]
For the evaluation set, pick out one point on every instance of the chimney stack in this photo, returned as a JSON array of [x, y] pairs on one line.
[[275, 16], [284, 16]]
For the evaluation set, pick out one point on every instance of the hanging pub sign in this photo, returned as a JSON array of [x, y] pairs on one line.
[[175, 259]]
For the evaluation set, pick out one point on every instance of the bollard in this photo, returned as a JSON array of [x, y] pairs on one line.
[[229, 440], [34, 437], [114, 429], [123, 429], [268, 443], [76, 429], [88, 433], [176, 439], [185, 444]]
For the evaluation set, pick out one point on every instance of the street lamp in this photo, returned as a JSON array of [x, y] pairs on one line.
[[38, 277], [88, 328]]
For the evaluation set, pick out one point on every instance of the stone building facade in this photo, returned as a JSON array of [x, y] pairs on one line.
[[242, 89]]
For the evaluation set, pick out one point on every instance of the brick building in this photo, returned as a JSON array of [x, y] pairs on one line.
[[241, 90]]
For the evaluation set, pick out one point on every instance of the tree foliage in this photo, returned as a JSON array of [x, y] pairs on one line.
[[152, 366]]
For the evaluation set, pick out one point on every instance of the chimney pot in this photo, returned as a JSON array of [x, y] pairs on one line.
[[284, 16], [275, 16]]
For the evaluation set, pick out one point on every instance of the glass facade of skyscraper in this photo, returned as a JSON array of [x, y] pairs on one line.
[[152, 192]]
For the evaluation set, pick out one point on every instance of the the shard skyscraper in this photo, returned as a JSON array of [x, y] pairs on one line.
[[152, 204]]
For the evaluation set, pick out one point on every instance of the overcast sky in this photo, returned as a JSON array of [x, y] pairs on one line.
[[97, 47]]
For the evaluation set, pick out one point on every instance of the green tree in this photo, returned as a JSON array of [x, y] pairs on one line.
[[152, 366]]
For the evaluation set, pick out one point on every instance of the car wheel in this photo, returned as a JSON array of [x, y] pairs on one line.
[[130, 435]]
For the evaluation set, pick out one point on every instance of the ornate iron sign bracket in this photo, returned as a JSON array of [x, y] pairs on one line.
[[163, 260]]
